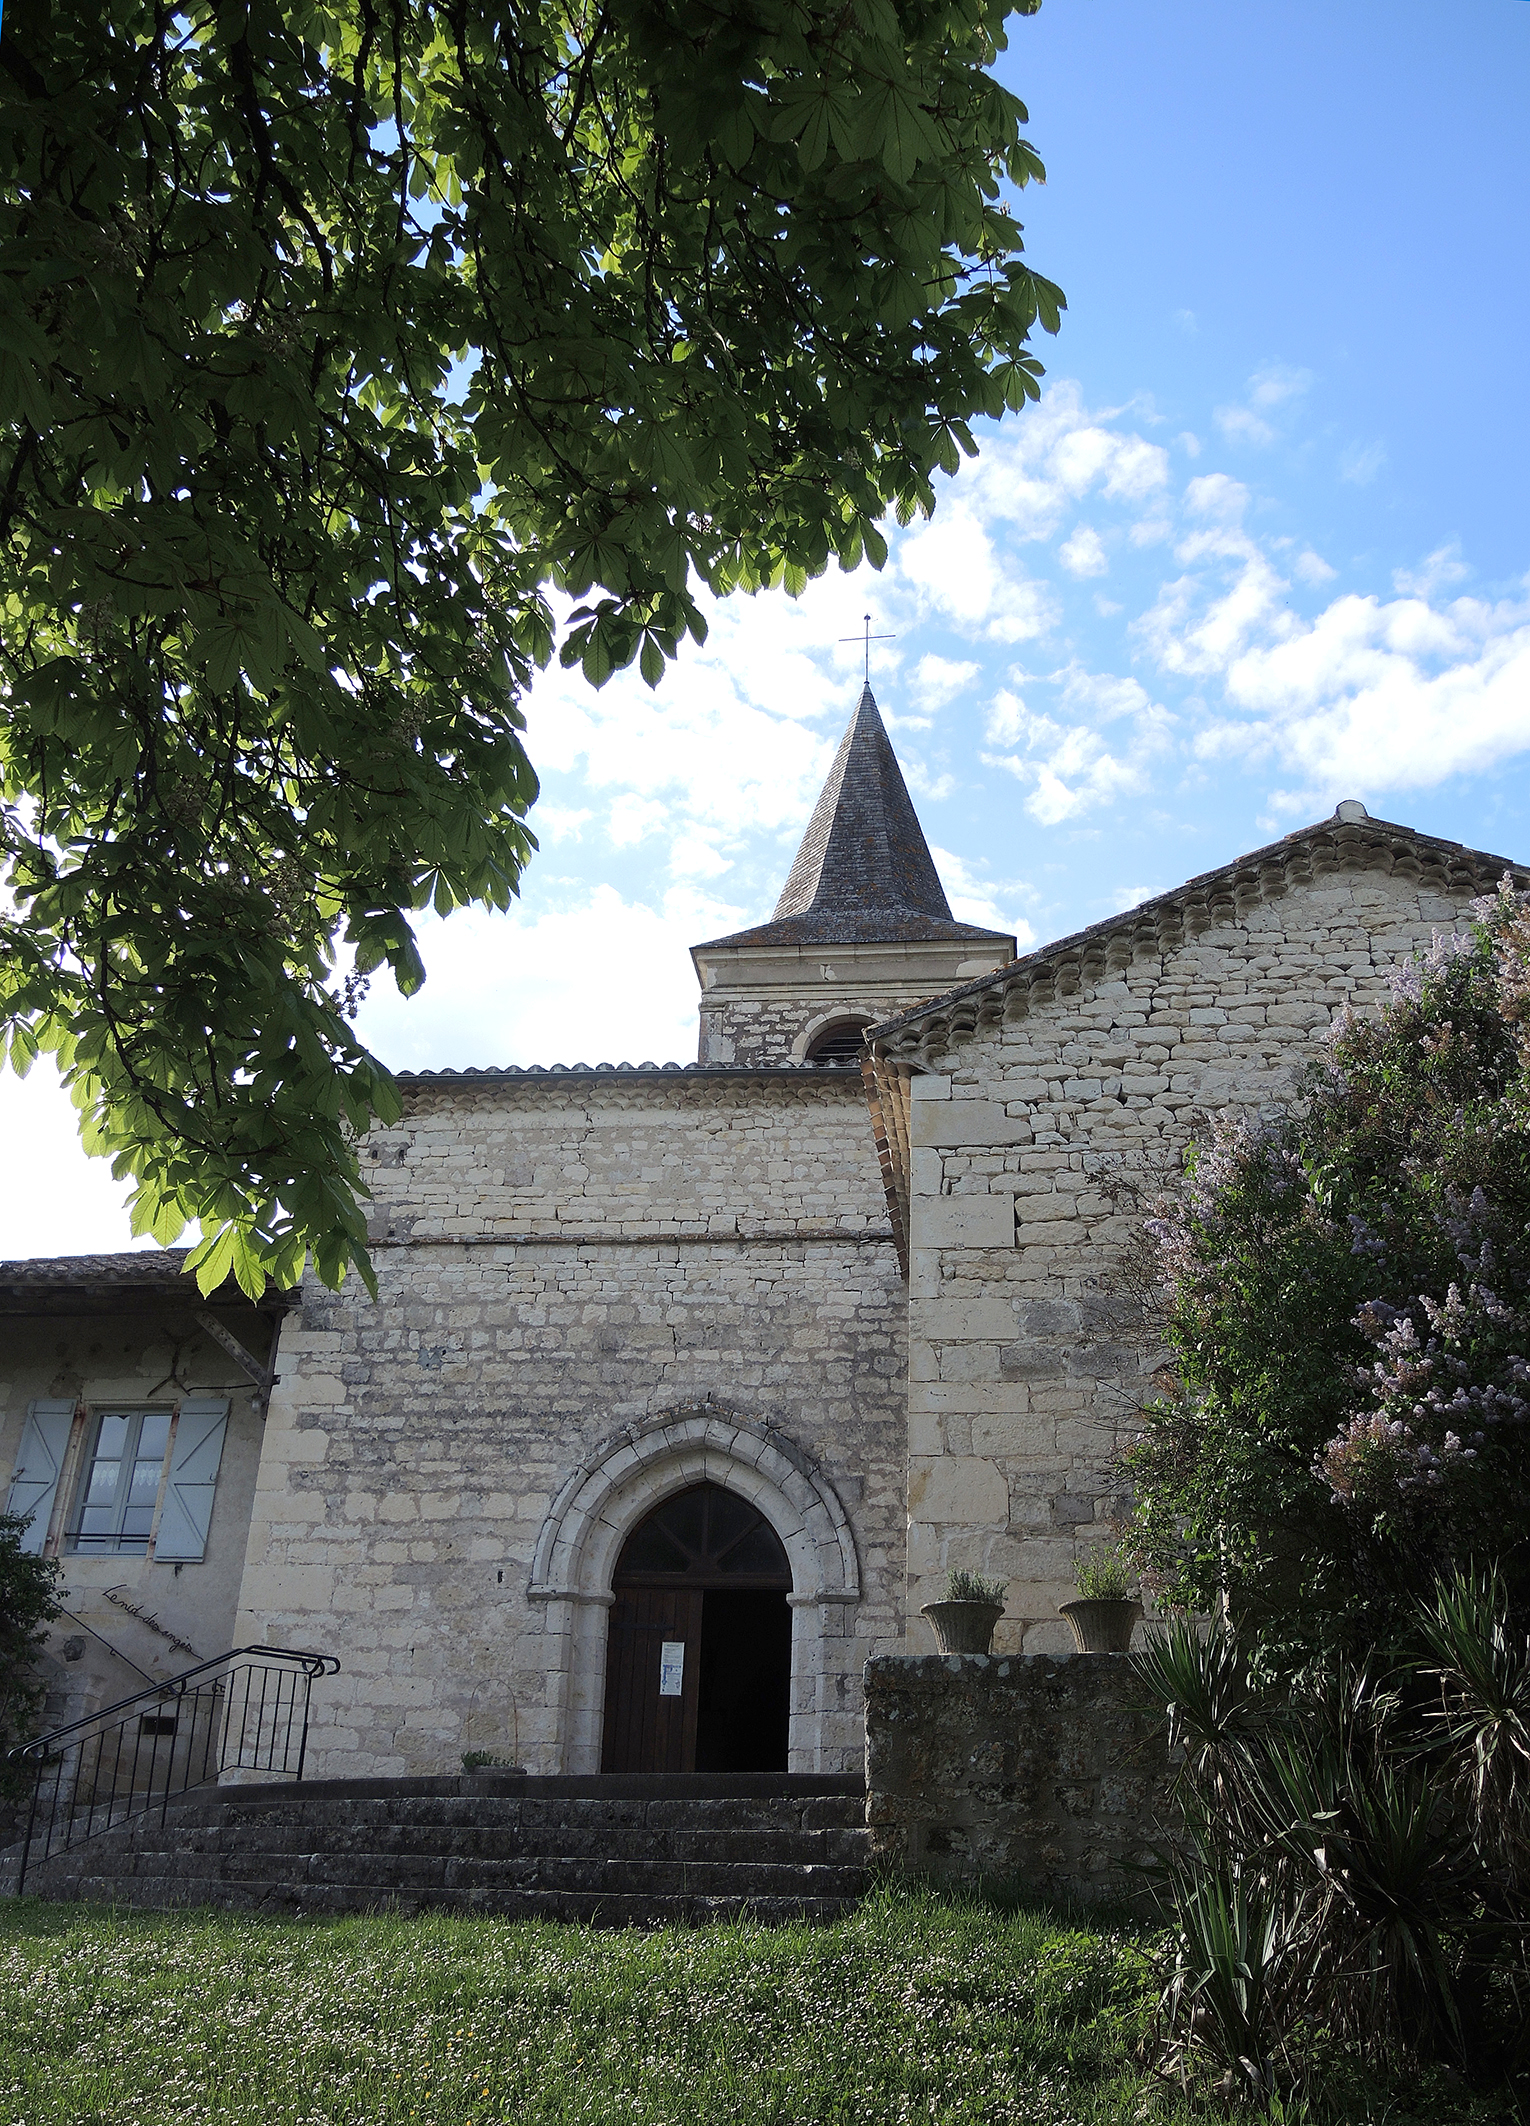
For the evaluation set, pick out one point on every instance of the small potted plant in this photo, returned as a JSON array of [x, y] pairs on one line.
[[964, 1622], [1106, 1612], [484, 1773]]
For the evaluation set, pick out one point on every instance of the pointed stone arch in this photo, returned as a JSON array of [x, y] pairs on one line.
[[609, 1493]]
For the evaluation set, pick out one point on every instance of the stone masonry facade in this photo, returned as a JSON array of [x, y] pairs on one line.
[[760, 1020], [1011, 1115], [566, 1258]]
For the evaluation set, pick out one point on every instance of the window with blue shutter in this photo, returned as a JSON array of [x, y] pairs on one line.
[[119, 1490], [186, 1514], [34, 1486]]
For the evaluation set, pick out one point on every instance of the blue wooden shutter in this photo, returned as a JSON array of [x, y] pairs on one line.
[[34, 1486], [187, 1512]]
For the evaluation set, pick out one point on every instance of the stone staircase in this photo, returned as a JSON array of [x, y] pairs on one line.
[[618, 1850]]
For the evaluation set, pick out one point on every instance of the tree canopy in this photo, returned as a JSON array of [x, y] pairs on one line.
[[1348, 1308], [337, 340]]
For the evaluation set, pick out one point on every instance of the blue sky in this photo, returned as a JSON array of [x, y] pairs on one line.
[[1264, 545]]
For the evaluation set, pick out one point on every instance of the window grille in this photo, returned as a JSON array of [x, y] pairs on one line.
[[838, 1044]]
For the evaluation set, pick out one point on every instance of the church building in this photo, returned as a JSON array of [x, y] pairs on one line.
[[686, 1385]]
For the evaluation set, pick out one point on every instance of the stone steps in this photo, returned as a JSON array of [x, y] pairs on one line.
[[612, 1852]]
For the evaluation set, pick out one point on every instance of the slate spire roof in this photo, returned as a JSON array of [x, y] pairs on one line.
[[864, 873]]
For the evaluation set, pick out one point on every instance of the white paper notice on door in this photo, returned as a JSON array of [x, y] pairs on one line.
[[672, 1668]]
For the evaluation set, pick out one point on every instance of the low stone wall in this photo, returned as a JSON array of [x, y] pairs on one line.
[[1040, 1770]]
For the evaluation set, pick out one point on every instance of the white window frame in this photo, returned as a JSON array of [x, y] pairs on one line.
[[76, 1542]]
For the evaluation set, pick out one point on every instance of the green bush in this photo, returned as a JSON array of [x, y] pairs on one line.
[[28, 1601], [1347, 1296], [967, 1587], [1349, 1860], [1105, 1577]]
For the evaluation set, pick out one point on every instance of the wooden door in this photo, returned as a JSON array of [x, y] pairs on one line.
[[647, 1730]]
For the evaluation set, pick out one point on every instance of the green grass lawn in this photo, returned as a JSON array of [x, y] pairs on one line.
[[916, 2008]]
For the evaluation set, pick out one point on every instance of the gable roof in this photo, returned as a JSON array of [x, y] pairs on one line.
[[1350, 841], [864, 874]]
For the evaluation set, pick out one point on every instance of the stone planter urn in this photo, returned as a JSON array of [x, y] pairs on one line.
[[1103, 1627], [963, 1627]]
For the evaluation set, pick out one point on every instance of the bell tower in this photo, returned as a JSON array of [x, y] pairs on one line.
[[862, 930]]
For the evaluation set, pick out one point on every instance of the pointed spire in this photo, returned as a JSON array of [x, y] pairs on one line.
[[864, 873], [864, 851]]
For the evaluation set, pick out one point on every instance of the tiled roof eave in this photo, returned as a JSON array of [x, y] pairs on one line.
[[556, 1073], [836, 933], [142, 1272]]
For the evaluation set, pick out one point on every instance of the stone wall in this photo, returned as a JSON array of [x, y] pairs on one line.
[[610, 1281], [1042, 1772], [766, 1004], [771, 1030], [1026, 1367]]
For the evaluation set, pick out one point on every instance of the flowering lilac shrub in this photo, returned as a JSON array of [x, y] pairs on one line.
[[1346, 1287]]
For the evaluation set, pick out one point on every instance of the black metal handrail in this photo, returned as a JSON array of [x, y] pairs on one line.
[[242, 1711]]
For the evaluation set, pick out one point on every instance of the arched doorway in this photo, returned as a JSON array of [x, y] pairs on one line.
[[698, 1662]]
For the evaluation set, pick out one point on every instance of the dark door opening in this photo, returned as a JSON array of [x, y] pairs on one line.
[[698, 1661], [746, 1681]]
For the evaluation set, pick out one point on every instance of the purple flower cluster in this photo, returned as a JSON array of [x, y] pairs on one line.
[[1426, 1402], [1376, 1457], [1243, 1155]]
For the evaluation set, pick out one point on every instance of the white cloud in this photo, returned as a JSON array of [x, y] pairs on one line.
[[696, 856], [1269, 387], [1436, 573], [1359, 463], [604, 981], [933, 788], [1186, 321], [1084, 553], [987, 902], [1064, 760], [560, 823], [1240, 424], [1393, 695], [729, 734], [1189, 444], [1216, 496], [955, 570], [632, 819], [1152, 531], [1191, 632], [1273, 384], [1312, 568], [1370, 694], [1123, 897], [937, 680], [1031, 471]]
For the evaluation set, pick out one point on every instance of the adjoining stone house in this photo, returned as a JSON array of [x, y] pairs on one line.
[[646, 1445], [131, 1420]]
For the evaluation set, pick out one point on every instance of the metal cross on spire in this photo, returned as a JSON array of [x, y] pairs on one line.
[[869, 640]]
